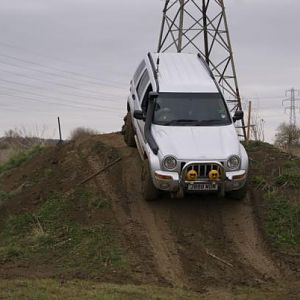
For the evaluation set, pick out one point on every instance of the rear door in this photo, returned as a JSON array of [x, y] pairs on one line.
[[143, 89]]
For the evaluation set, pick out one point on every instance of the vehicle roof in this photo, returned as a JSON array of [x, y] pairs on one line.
[[182, 72]]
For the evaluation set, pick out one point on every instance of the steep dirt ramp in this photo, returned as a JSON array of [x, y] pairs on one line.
[[143, 262], [147, 231], [154, 225], [197, 242]]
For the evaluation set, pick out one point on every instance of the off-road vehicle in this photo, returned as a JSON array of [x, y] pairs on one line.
[[180, 122]]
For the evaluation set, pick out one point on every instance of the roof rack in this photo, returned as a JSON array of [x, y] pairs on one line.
[[154, 71]]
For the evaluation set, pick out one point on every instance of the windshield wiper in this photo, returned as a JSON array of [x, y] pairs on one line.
[[181, 121], [186, 122], [210, 121]]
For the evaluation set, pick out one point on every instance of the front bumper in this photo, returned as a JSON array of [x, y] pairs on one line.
[[173, 182]]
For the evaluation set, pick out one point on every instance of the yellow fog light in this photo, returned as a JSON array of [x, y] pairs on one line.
[[191, 175], [213, 175]]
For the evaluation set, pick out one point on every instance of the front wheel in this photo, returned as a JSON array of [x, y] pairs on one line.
[[238, 194], [128, 131], [149, 191]]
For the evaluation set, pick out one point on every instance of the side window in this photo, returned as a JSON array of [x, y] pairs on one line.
[[139, 70], [146, 98], [142, 85]]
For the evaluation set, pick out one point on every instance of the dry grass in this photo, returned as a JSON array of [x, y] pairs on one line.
[[19, 140], [51, 289], [295, 151], [82, 132]]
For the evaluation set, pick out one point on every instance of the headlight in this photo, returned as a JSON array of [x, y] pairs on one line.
[[233, 163], [170, 162]]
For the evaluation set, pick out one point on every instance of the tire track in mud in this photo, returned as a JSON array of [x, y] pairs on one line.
[[172, 239], [160, 238], [147, 232], [135, 242], [240, 227]]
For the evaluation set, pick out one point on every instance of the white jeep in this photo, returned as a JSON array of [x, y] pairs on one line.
[[179, 121]]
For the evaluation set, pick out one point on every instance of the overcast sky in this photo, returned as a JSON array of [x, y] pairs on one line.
[[75, 58]]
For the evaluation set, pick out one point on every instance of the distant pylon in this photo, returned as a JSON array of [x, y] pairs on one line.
[[292, 107], [201, 26]]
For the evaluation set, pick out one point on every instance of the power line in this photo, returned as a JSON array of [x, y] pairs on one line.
[[96, 80], [100, 97], [35, 100], [263, 98], [43, 72], [56, 70], [59, 99], [51, 81]]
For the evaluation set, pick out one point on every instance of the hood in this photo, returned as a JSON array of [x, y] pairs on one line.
[[197, 143]]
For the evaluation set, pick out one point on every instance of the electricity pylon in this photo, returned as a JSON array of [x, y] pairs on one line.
[[292, 107], [201, 26]]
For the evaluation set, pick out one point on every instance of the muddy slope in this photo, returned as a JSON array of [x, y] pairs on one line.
[[194, 242], [198, 242]]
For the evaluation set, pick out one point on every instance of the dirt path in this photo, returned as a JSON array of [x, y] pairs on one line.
[[147, 232], [155, 226], [241, 228], [196, 242]]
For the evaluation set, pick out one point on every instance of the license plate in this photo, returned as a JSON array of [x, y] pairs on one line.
[[202, 187]]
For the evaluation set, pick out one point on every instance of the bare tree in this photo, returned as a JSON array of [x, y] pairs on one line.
[[257, 127], [287, 136]]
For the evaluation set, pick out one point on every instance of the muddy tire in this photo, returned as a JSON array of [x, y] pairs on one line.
[[239, 194], [128, 131], [149, 191]]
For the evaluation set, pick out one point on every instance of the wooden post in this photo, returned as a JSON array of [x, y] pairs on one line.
[[59, 130], [249, 120]]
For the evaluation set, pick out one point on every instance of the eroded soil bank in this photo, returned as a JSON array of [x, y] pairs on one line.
[[102, 230]]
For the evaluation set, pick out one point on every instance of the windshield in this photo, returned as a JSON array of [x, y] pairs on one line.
[[205, 109]]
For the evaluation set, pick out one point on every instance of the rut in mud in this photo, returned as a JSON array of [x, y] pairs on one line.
[[195, 242]]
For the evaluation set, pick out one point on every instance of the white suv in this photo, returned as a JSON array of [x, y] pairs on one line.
[[179, 121]]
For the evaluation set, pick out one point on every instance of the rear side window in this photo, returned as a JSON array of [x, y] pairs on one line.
[[143, 84], [146, 98], [139, 70]]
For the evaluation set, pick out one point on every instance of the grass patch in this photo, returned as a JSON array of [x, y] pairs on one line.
[[4, 196], [289, 179], [77, 290], [4, 146], [18, 159], [51, 289], [283, 220], [51, 233], [258, 180], [92, 200], [290, 176]]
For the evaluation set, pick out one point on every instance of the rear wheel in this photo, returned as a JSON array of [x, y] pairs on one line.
[[238, 194], [128, 131], [150, 192]]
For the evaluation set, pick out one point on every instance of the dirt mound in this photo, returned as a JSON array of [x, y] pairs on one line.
[[196, 243]]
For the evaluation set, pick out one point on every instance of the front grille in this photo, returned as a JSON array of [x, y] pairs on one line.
[[203, 169]]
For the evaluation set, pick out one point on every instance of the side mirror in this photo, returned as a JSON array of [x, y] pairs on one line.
[[239, 115], [153, 95], [139, 115]]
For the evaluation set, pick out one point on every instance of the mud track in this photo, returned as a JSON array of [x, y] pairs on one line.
[[197, 242]]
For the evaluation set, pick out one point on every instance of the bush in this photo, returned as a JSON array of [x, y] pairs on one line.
[[23, 138], [19, 158], [82, 132]]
